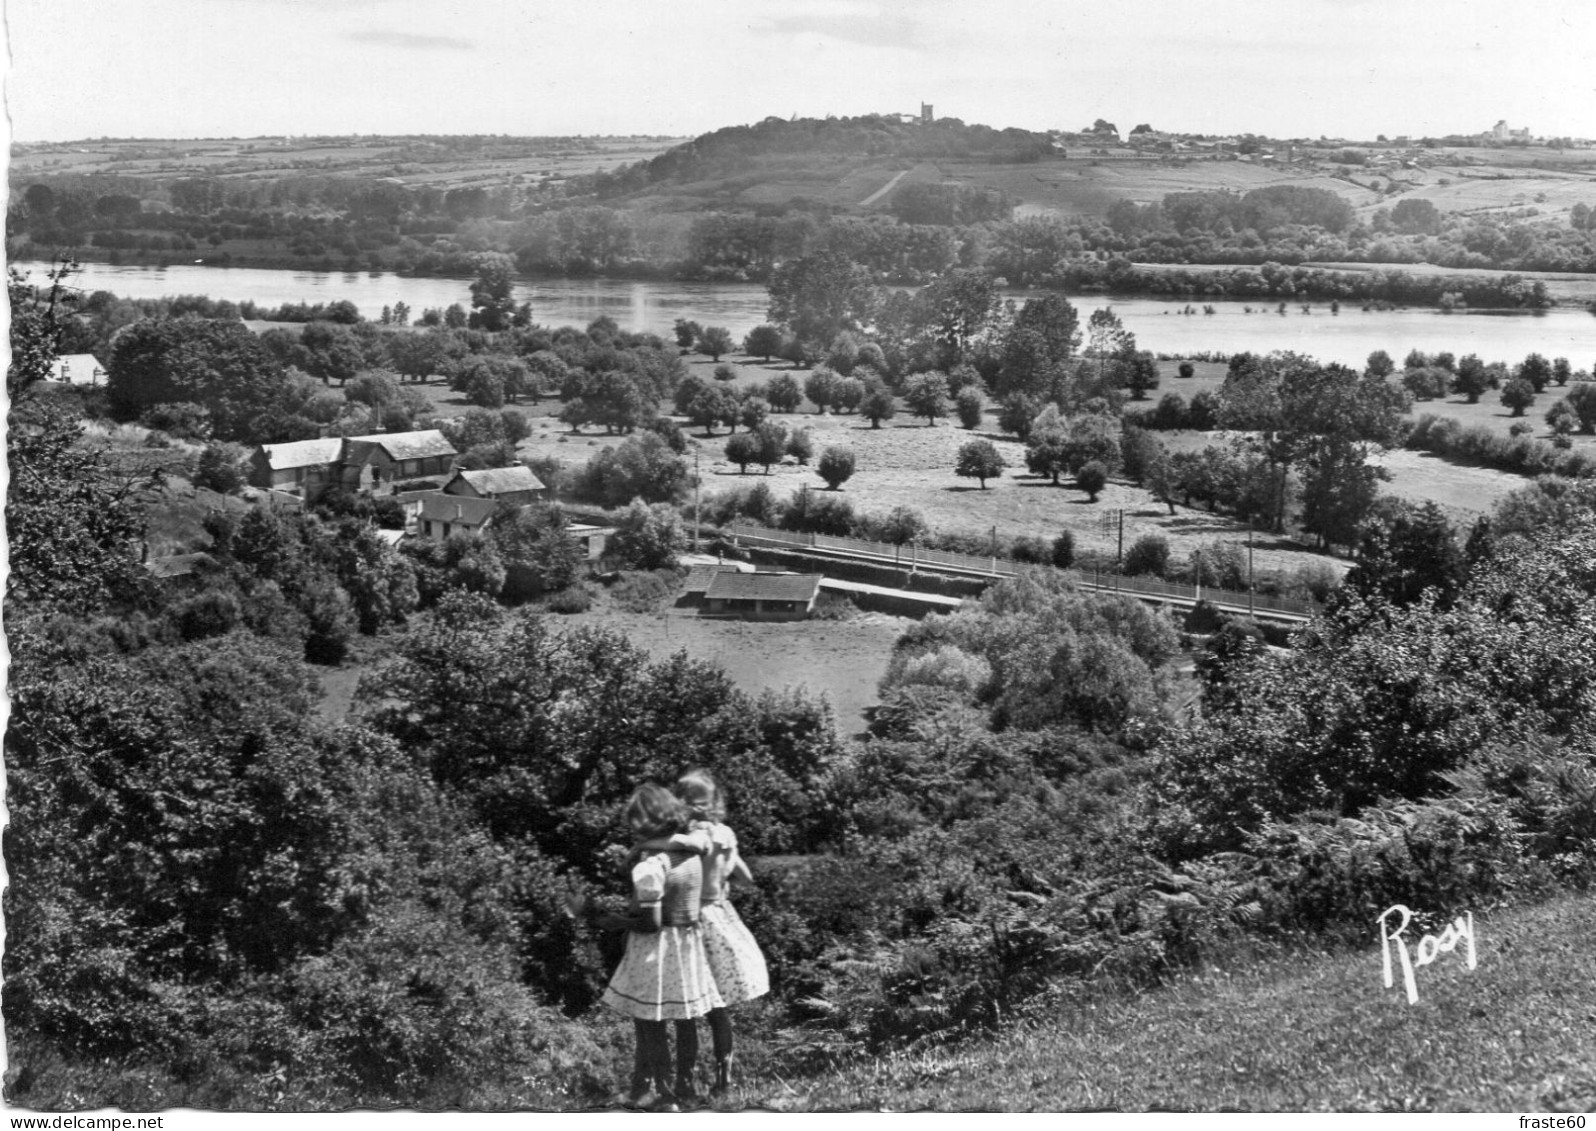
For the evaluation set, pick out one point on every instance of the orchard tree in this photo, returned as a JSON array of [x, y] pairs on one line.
[[1536, 370], [1047, 445], [714, 341], [836, 467], [979, 459], [927, 396], [879, 404], [1092, 478], [970, 406], [801, 446], [763, 342], [771, 441], [1518, 395], [743, 448], [1472, 378], [783, 393], [821, 388]]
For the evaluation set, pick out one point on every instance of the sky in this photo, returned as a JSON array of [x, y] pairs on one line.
[[1286, 68]]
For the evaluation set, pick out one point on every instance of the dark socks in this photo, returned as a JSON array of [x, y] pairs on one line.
[[686, 1058]]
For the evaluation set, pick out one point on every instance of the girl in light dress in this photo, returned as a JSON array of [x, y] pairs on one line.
[[735, 960], [664, 975]]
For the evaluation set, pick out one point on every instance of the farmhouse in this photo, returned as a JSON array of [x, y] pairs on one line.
[[355, 463], [699, 576], [763, 596], [516, 485], [442, 515]]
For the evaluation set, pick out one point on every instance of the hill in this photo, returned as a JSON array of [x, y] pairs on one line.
[[1303, 1032]]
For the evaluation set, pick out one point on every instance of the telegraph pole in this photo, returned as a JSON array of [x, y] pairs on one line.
[[695, 498], [1119, 562], [1251, 580]]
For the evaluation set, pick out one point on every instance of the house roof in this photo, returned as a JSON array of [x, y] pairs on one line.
[[764, 586], [302, 453], [77, 369], [699, 576], [457, 508], [409, 445], [501, 480]]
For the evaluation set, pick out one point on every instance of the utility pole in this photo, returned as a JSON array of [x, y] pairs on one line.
[[1119, 562], [695, 498], [1251, 581]]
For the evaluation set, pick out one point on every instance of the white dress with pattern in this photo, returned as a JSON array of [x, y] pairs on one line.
[[663, 976], [734, 957]]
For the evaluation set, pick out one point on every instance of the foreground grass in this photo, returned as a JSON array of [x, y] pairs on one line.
[[1300, 1033]]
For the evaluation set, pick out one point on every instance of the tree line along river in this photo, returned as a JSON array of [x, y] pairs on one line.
[[1347, 337]]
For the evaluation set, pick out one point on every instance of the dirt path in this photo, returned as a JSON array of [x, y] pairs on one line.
[[882, 191]]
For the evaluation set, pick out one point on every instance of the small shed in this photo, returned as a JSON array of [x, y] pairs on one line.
[[516, 485], [763, 596], [442, 515]]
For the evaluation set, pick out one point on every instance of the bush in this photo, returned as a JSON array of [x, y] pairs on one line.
[[1092, 478], [971, 407], [1149, 554], [836, 466], [1063, 553], [645, 592], [574, 599]]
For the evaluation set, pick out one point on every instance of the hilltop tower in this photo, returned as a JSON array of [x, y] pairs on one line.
[[925, 114]]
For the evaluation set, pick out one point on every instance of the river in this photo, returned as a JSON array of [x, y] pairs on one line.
[[1348, 337]]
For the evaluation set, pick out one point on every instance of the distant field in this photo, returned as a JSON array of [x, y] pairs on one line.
[[413, 159]]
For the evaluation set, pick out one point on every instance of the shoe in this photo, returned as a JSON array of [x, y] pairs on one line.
[[722, 1083]]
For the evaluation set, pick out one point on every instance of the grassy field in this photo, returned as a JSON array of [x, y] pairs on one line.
[[1296, 1032]]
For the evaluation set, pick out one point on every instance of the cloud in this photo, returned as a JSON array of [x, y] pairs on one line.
[[881, 28], [380, 38]]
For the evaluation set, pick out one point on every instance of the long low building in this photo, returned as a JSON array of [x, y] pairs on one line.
[[762, 596]]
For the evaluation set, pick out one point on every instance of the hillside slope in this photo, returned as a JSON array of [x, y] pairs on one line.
[[1304, 1033]]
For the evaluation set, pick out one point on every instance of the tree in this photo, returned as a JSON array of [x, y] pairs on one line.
[[801, 446], [836, 466], [751, 411], [927, 396], [742, 448], [217, 365], [1562, 371], [714, 341], [771, 444], [1518, 395], [1472, 378], [493, 293], [536, 541], [821, 388], [783, 393], [1093, 437], [419, 355], [1044, 335], [1380, 364], [763, 342], [1063, 550], [220, 468], [971, 407], [979, 459], [879, 404], [1092, 478], [647, 537], [1161, 479], [642, 467], [713, 406], [1148, 554], [818, 296], [1582, 399], [1046, 445], [1141, 374], [1016, 414], [1536, 370], [686, 333], [957, 308]]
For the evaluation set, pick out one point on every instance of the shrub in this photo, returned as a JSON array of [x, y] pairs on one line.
[[971, 407], [573, 599], [1063, 552], [1148, 554], [836, 466], [1092, 478], [638, 592]]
